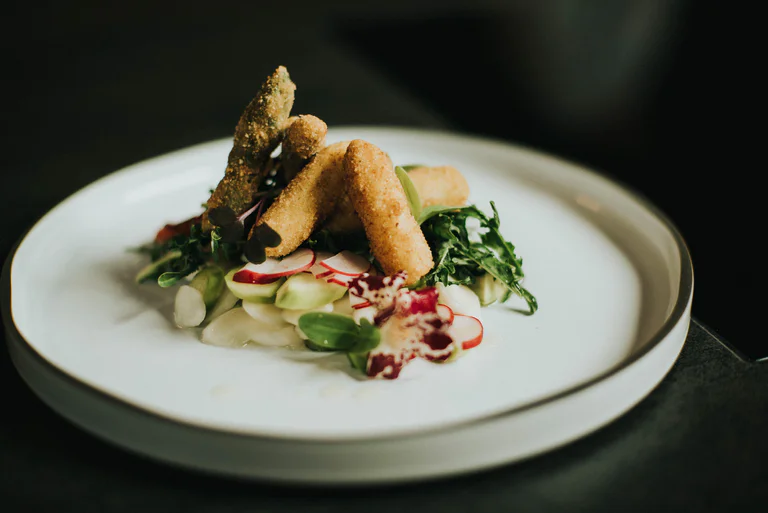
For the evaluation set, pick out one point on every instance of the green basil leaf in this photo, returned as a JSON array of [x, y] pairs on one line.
[[358, 361], [368, 338], [329, 331], [410, 192], [320, 349]]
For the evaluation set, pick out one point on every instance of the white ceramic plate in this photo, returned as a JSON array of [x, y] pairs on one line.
[[613, 280]]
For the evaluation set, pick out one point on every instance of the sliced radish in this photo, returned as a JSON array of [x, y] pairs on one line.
[[360, 306], [445, 312], [466, 330], [357, 302], [340, 279], [292, 316], [271, 269], [346, 263], [318, 270]]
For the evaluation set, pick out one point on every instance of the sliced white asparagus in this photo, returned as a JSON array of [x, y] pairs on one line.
[[225, 303], [284, 337], [343, 306], [189, 307], [292, 316], [268, 314], [236, 328], [300, 333]]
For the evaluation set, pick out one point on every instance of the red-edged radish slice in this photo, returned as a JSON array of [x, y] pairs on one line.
[[318, 270], [360, 306], [446, 313], [250, 277], [466, 330], [346, 263], [340, 279], [271, 270], [356, 301]]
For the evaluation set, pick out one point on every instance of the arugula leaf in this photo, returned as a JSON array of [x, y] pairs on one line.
[[410, 191], [462, 258], [433, 210], [338, 332]]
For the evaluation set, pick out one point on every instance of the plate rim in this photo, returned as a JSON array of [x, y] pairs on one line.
[[677, 313]]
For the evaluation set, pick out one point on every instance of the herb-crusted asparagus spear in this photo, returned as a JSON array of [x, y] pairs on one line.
[[257, 134]]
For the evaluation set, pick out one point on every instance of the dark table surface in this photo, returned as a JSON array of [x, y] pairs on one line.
[[96, 89]]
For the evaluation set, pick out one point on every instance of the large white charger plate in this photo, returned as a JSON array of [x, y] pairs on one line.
[[613, 278]]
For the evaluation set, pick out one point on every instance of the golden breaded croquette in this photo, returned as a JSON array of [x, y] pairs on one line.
[[304, 137], [395, 237], [344, 218], [441, 185], [258, 132], [307, 199]]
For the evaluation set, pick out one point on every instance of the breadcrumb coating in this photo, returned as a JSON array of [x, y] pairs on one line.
[[395, 237]]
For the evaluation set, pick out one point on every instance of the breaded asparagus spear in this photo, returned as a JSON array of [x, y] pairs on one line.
[[304, 137], [257, 134], [306, 200], [440, 185], [396, 239]]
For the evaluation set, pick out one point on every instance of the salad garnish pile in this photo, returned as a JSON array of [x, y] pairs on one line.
[[333, 248]]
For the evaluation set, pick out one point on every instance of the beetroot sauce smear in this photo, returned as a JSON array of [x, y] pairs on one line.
[[409, 321]]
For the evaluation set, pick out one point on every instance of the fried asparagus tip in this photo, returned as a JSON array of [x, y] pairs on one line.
[[257, 134], [304, 137]]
